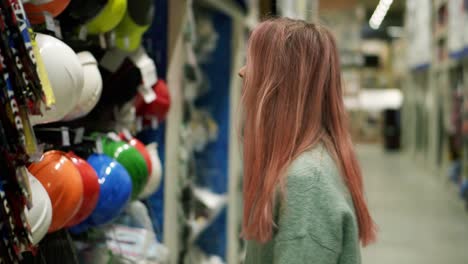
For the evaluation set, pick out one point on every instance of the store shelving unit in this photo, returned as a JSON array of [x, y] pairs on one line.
[[430, 111], [173, 223]]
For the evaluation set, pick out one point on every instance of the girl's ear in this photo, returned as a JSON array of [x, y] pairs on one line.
[[242, 71]]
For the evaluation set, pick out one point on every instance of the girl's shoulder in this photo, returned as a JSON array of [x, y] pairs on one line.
[[317, 201]]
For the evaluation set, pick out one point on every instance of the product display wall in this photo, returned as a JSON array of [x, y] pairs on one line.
[[436, 94], [213, 161], [83, 137], [70, 74]]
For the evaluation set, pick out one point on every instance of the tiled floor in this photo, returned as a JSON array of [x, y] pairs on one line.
[[420, 217]]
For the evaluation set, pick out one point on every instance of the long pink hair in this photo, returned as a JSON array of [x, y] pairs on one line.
[[292, 100]]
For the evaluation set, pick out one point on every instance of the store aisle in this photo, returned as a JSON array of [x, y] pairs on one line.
[[420, 218]]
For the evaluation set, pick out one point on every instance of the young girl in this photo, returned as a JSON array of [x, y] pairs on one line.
[[303, 189]]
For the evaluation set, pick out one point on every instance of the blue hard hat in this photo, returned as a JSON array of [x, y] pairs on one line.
[[115, 192]]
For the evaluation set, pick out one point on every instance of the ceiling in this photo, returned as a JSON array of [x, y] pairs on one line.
[[396, 10], [397, 5], [394, 15]]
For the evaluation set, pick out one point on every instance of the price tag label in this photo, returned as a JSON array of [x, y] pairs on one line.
[[127, 42], [147, 93], [83, 33], [139, 123], [128, 241], [113, 136], [112, 60], [49, 21], [58, 29], [111, 38], [65, 136], [154, 122], [103, 41], [127, 134], [79, 133], [99, 147], [146, 66]]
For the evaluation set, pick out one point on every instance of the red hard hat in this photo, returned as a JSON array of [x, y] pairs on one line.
[[159, 107], [35, 9], [91, 187], [63, 183]]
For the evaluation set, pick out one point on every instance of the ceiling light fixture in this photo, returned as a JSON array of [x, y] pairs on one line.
[[379, 13]]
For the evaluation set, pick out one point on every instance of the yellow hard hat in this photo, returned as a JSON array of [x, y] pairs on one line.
[[108, 18], [136, 22]]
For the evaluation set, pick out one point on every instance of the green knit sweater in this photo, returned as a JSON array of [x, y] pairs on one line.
[[316, 223]]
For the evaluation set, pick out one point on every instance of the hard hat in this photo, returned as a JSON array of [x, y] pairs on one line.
[[132, 161], [124, 82], [40, 214], [66, 78], [159, 107], [35, 9], [80, 12], [154, 180], [108, 18], [92, 88], [116, 189], [137, 20], [90, 181], [134, 142], [63, 183]]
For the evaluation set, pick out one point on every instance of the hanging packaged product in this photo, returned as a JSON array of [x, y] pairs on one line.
[[19, 60], [135, 23], [13, 187], [18, 26], [11, 119], [8, 241]]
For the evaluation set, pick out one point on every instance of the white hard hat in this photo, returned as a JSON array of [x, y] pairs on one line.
[[66, 78], [92, 88], [155, 179], [40, 215]]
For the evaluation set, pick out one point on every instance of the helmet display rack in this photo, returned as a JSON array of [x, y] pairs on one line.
[[74, 174], [98, 145]]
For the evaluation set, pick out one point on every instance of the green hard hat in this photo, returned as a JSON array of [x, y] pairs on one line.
[[132, 161]]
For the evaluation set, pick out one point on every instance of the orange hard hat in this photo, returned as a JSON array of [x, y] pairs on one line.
[[35, 9], [63, 183]]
